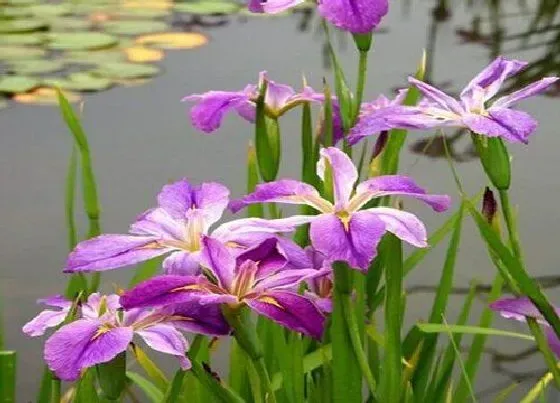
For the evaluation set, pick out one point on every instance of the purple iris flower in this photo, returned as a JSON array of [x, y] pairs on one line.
[[102, 332], [212, 106], [321, 285], [184, 214], [260, 278], [472, 111], [522, 307], [49, 317], [373, 116], [356, 16], [342, 230]]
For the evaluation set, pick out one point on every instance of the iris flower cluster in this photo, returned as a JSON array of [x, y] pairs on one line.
[[252, 262]]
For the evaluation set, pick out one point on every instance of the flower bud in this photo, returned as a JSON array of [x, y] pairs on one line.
[[490, 209], [494, 157]]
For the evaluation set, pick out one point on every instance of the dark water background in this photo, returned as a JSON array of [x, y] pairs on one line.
[[141, 138]]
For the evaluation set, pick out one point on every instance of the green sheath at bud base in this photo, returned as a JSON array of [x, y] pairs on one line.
[[494, 157]]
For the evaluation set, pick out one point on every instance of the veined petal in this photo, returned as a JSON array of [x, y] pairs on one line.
[[43, 321], [536, 88], [517, 309], [229, 231], [57, 300], [404, 225], [208, 113], [83, 344], [168, 290], [492, 77], [212, 198], [166, 339], [283, 191], [343, 171], [272, 6], [196, 318], [267, 256], [176, 198], [217, 258], [112, 251], [96, 303], [437, 96], [182, 263], [373, 122], [159, 223], [354, 242], [286, 279], [277, 95], [356, 16], [291, 310], [396, 185], [514, 126]]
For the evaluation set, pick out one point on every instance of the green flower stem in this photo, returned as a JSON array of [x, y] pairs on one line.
[[362, 72], [510, 224], [246, 336], [55, 390]]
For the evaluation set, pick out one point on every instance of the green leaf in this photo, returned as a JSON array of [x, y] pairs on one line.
[[44, 393], [84, 81], [126, 71], [131, 27], [439, 328], [154, 372], [18, 26], [86, 391], [80, 40], [391, 380], [267, 156], [32, 66], [112, 376], [253, 210], [504, 394], [69, 24], [20, 53], [48, 11], [22, 39], [12, 84], [538, 389], [174, 390], [93, 57], [8, 376], [145, 271], [208, 7], [219, 390], [150, 390]]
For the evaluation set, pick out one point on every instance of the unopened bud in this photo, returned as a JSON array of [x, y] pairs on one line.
[[375, 160], [489, 205]]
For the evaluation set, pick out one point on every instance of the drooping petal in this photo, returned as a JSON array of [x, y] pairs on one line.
[[356, 16], [272, 6], [404, 225], [283, 191], [517, 309], [217, 258], [344, 173], [285, 279], [166, 339], [208, 113], [159, 223], [492, 77], [536, 88], [212, 198], [267, 255], [176, 198], [43, 321], [196, 318], [112, 251], [372, 123], [514, 126], [182, 263], [291, 310], [396, 185], [324, 304], [83, 344], [437, 96], [355, 242], [59, 301], [168, 290]]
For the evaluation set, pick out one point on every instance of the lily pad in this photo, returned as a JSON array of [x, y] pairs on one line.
[[22, 39], [140, 54], [39, 66], [70, 24], [142, 13], [81, 82], [81, 40], [134, 27], [20, 2], [125, 71], [173, 40], [44, 96], [153, 4], [19, 26], [14, 12], [208, 7], [12, 84], [20, 53], [94, 56], [50, 10]]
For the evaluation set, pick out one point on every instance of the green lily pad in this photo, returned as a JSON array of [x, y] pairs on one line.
[[208, 7], [21, 2], [81, 82], [126, 71], [22, 39], [21, 25], [81, 40], [94, 57], [142, 13], [70, 24], [50, 10], [39, 66], [20, 53], [12, 84], [14, 12], [134, 27]]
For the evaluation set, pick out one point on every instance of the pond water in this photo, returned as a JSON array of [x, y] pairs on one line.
[[141, 138]]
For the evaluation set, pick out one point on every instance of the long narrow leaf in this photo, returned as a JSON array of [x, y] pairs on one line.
[[150, 390], [438, 328], [7, 376]]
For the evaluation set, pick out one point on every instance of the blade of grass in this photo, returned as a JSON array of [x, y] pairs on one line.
[[219, 390], [462, 329], [538, 389], [154, 372], [504, 394], [8, 376], [150, 390]]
